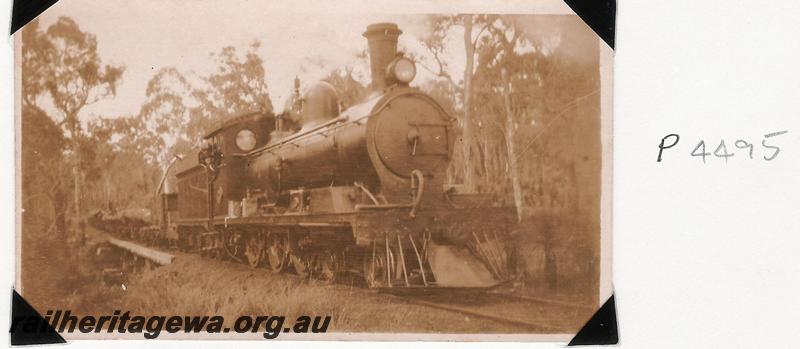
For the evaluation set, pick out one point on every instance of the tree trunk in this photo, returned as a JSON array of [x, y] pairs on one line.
[[76, 173], [466, 131], [74, 130], [60, 210], [510, 149]]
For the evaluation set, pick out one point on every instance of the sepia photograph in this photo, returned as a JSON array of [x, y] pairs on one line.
[[271, 170]]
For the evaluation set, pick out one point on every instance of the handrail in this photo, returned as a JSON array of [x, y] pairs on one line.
[[380, 104], [300, 134], [366, 191]]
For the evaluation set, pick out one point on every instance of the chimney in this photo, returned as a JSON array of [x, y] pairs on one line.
[[382, 38]]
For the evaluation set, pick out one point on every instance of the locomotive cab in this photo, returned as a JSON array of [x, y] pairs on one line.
[[211, 184], [242, 133]]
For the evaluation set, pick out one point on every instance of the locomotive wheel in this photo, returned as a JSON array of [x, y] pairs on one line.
[[277, 255], [329, 265], [375, 271], [302, 265], [254, 250], [376, 264], [216, 242], [231, 245], [375, 268]]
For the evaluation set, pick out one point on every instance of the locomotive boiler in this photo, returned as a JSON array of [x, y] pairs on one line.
[[324, 192], [397, 136]]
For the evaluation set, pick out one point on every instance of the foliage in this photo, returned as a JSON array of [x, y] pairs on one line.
[[350, 91], [115, 158], [61, 68], [126, 175], [75, 77], [35, 51], [545, 83], [528, 126], [164, 117], [238, 86], [239, 83], [43, 192]]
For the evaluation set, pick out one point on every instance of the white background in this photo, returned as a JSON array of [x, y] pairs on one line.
[[704, 255]]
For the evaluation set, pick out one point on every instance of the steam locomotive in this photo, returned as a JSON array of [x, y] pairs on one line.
[[359, 190]]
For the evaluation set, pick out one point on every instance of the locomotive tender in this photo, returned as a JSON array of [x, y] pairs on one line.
[[362, 189]]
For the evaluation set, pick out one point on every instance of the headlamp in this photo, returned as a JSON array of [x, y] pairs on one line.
[[401, 70], [246, 140]]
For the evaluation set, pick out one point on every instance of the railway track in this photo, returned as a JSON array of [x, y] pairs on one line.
[[544, 301], [537, 315]]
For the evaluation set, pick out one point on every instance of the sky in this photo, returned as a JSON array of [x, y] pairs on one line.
[[146, 35]]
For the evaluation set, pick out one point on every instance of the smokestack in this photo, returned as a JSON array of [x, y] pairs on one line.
[[382, 38]]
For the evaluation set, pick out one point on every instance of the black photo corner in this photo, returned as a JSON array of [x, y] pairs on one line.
[[31, 328], [601, 329], [25, 11]]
